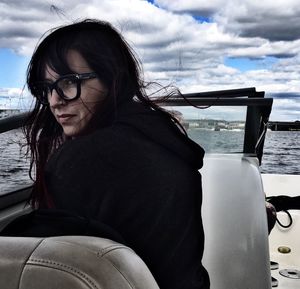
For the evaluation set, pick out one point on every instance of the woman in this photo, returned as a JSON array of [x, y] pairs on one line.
[[102, 150]]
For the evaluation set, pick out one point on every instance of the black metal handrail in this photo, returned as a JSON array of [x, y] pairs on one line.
[[241, 92], [216, 101], [12, 122]]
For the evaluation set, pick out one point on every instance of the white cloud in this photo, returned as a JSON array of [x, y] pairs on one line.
[[204, 8], [284, 109], [15, 98], [173, 46]]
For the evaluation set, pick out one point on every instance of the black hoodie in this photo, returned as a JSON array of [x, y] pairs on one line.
[[140, 177]]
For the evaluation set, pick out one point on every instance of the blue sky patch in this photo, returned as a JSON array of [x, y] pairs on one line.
[[245, 64], [202, 19], [152, 2], [13, 69]]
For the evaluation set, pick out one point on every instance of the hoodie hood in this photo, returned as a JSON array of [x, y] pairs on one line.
[[161, 130]]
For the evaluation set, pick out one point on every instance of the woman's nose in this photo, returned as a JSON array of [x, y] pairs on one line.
[[54, 99]]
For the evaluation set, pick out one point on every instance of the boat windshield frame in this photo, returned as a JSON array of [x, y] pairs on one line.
[[257, 115]]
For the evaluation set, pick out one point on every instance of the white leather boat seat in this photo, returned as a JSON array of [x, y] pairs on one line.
[[70, 262]]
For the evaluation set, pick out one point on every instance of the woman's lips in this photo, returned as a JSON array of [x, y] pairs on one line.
[[64, 117]]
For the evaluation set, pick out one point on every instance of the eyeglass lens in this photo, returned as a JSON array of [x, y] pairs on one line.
[[67, 87]]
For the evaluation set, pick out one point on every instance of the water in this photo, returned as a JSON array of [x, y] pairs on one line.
[[14, 165], [281, 149], [218, 141], [281, 153]]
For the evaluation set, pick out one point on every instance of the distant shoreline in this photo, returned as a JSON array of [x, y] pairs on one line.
[[9, 112]]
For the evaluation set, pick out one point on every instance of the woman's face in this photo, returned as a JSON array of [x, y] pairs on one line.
[[75, 116]]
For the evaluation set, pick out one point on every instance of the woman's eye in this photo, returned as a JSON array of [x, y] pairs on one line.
[[68, 82], [71, 81]]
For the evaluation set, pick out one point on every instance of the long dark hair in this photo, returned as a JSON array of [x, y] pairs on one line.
[[110, 56]]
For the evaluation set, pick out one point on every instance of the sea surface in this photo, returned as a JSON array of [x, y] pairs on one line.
[[14, 165], [281, 153]]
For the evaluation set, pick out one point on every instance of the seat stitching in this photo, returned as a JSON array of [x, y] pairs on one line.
[[108, 260], [100, 253], [129, 283], [65, 268], [25, 262], [111, 248]]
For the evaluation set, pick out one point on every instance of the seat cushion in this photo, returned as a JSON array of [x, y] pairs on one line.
[[70, 262]]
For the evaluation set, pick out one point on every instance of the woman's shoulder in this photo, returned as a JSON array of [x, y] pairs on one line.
[[132, 124], [136, 131], [102, 144]]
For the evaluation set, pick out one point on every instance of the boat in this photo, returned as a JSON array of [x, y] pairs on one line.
[[238, 249]]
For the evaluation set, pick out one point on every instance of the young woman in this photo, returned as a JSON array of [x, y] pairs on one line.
[[102, 150]]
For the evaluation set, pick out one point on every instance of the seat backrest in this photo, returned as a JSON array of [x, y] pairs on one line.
[[70, 262], [236, 253]]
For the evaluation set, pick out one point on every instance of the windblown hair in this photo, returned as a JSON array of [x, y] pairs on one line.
[[110, 56]]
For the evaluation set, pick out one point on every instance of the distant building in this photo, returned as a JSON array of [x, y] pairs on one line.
[[213, 124]]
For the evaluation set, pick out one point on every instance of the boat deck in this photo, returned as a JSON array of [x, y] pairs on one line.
[[281, 238]]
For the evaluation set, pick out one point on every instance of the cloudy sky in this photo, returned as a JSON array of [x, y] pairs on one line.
[[198, 45]]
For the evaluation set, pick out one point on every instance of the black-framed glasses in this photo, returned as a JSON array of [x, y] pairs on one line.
[[68, 87]]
